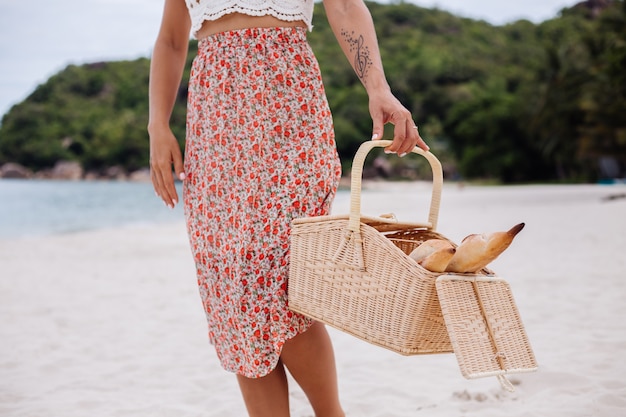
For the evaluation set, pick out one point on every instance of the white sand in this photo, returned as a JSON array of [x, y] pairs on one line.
[[109, 323]]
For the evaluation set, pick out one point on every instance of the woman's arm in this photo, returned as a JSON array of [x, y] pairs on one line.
[[166, 69], [352, 25]]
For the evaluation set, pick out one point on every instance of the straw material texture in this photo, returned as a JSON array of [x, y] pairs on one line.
[[485, 327], [368, 288], [353, 272]]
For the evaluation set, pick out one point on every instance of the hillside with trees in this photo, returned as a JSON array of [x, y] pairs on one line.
[[521, 102]]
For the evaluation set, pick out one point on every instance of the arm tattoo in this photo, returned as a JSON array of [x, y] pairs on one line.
[[362, 60]]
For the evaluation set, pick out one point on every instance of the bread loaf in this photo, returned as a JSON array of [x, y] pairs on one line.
[[428, 247], [438, 260], [477, 251]]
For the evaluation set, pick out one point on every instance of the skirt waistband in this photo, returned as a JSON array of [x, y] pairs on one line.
[[252, 36]]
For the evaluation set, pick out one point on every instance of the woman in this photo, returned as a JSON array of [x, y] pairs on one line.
[[259, 152]]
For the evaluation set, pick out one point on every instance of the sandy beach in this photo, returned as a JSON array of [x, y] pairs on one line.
[[108, 323]]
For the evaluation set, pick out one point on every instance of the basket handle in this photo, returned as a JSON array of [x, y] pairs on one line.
[[357, 174]]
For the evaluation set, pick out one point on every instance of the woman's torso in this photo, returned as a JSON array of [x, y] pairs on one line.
[[236, 21]]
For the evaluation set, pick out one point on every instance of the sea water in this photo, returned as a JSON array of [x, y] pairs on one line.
[[44, 207]]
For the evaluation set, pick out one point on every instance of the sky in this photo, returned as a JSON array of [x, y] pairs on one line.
[[39, 38]]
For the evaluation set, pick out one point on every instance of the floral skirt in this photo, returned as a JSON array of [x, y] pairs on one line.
[[260, 151]]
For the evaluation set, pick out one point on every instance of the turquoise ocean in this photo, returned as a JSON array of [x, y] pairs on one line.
[[46, 207]]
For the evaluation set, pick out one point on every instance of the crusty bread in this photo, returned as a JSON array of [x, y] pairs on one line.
[[438, 260], [477, 251], [428, 247]]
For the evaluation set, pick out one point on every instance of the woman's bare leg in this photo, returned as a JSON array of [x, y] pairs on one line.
[[310, 359], [267, 396]]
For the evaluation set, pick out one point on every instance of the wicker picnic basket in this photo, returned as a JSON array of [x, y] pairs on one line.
[[353, 272]]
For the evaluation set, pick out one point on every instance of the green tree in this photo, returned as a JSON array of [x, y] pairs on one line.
[[513, 103]]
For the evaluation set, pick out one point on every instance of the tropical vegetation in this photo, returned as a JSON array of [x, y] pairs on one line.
[[514, 103]]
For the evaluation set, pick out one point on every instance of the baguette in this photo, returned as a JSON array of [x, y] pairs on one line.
[[477, 251], [438, 260], [428, 247]]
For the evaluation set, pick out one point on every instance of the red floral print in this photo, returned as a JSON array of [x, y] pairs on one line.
[[260, 152]]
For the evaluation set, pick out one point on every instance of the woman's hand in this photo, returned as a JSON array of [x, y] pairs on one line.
[[385, 108], [165, 152], [166, 71]]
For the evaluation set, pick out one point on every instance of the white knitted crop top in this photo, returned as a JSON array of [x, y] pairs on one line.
[[289, 10]]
